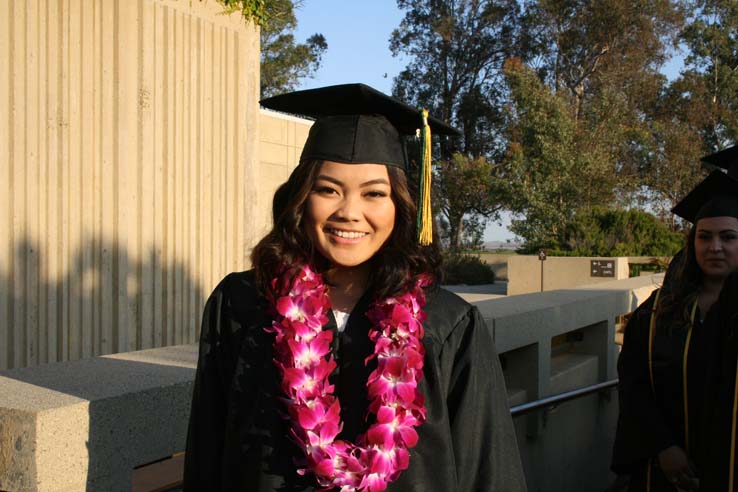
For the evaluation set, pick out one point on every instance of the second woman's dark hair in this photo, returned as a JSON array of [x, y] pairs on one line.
[[399, 262], [681, 284]]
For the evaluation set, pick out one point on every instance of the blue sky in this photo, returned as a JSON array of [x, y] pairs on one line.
[[358, 32]]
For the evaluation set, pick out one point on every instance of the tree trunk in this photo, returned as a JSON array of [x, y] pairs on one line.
[[456, 227]]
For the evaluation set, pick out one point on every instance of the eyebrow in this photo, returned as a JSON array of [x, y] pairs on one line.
[[366, 183], [719, 232]]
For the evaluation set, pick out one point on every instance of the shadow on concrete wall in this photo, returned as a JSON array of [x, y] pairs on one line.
[[61, 317], [101, 301]]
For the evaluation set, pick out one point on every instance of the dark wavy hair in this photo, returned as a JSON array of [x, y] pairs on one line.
[[396, 265], [681, 285]]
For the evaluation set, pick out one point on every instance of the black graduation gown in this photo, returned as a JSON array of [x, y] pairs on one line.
[[238, 439], [714, 454], [649, 423]]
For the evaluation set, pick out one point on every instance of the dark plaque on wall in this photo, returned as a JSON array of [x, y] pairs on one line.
[[602, 268]]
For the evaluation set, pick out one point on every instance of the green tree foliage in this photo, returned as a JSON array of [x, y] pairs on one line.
[[602, 232], [552, 168], [710, 82], [581, 115], [284, 61], [456, 50], [603, 59], [466, 189], [589, 49], [583, 129], [252, 10], [698, 112]]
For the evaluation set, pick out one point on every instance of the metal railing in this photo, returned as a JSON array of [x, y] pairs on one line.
[[553, 400]]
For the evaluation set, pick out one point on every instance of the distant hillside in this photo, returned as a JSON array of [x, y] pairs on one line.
[[501, 245]]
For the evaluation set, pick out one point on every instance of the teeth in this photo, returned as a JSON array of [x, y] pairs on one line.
[[347, 234]]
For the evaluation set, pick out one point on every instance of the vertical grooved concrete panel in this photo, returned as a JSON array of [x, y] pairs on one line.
[[127, 171]]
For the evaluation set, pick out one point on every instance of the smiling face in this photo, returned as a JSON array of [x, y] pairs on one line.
[[716, 246], [349, 213]]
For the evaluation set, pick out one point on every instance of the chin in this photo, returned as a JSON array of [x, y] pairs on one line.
[[347, 262], [716, 273], [345, 257]]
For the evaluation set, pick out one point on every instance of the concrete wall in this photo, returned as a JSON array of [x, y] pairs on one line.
[[281, 140], [84, 425], [559, 272], [499, 262], [128, 176]]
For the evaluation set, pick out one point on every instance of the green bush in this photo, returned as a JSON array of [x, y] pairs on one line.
[[604, 232], [466, 269], [656, 265]]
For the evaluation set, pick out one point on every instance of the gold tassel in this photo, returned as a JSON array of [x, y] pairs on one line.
[[425, 212]]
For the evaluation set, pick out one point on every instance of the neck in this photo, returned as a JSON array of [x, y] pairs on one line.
[[347, 285], [712, 285], [709, 292]]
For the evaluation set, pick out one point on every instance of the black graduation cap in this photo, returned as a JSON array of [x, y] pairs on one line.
[[355, 124], [726, 159], [716, 195]]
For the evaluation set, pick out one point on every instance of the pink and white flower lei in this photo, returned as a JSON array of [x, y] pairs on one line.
[[302, 355]]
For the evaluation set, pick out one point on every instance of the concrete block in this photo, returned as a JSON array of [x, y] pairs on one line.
[[85, 425], [570, 371]]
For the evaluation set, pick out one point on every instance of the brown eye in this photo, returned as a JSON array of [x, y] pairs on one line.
[[324, 190]]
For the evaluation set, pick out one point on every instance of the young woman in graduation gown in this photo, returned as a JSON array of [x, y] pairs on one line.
[[338, 363], [670, 351]]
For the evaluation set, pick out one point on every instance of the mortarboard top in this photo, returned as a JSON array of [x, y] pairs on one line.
[[355, 124], [726, 159], [716, 195]]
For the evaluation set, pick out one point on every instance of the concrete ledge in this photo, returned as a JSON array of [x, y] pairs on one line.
[[84, 425], [567, 448]]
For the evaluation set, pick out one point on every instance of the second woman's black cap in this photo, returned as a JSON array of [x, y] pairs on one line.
[[714, 196], [355, 124]]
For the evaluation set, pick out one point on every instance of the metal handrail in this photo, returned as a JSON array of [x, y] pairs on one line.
[[553, 400]]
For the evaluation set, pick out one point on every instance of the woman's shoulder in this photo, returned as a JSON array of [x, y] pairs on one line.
[[446, 310], [238, 300], [237, 287]]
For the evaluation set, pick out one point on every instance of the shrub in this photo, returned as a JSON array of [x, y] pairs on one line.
[[602, 232], [466, 269]]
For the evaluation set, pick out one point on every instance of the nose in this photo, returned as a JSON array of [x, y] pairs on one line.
[[716, 244], [349, 209]]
